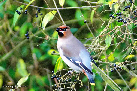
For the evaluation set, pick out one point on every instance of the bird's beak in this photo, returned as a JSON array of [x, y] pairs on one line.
[[57, 29]]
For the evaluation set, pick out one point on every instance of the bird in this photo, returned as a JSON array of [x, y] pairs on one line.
[[74, 53]]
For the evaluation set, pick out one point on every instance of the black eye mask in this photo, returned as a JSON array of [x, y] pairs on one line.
[[60, 29]]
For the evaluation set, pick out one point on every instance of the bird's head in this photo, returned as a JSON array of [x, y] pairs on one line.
[[63, 31]]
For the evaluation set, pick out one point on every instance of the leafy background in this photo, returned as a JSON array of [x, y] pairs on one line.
[[28, 63]]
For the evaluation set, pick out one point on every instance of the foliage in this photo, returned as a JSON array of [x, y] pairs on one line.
[[28, 52]]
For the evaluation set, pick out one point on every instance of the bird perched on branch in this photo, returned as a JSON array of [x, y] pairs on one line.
[[73, 52]]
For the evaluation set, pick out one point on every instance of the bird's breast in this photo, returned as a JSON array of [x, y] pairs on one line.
[[71, 46]]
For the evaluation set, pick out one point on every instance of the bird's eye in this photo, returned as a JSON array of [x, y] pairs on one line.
[[57, 29], [64, 29], [61, 29]]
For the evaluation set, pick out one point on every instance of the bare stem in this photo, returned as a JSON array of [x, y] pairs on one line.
[[59, 12], [85, 7]]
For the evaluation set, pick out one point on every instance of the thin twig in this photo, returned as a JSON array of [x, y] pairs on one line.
[[6, 74], [85, 7], [59, 12], [87, 24], [34, 55], [49, 79], [105, 89], [53, 14], [122, 79]]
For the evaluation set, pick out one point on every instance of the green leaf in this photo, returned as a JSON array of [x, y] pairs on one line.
[[85, 79], [78, 16], [61, 2], [72, 3], [119, 81], [48, 17], [43, 57], [135, 2], [37, 52], [29, 4], [99, 81], [116, 6], [111, 3], [130, 56], [24, 51], [55, 34], [39, 80], [2, 69], [133, 81], [59, 65], [129, 71], [135, 43], [3, 2], [1, 80], [107, 79], [51, 51], [24, 28], [27, 0], [73, 30], [111, 57], [1, 15], [46, 80], [21, 68], [91, 16], [16, 15], [102, 2], [32, 89], [131, 26], [22, 80], [108, 40]]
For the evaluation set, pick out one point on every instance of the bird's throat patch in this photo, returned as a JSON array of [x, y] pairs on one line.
[[60, 34]]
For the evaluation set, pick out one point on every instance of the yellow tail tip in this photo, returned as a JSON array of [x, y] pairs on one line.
[[92, 84]]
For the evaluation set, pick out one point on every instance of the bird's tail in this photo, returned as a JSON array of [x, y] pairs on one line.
[[91, 78], [92, 60]]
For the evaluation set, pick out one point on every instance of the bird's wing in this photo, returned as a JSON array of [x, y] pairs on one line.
[[76, 62], [79, 64]]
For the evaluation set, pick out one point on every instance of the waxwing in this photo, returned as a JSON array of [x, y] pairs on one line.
[[73, 52]]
